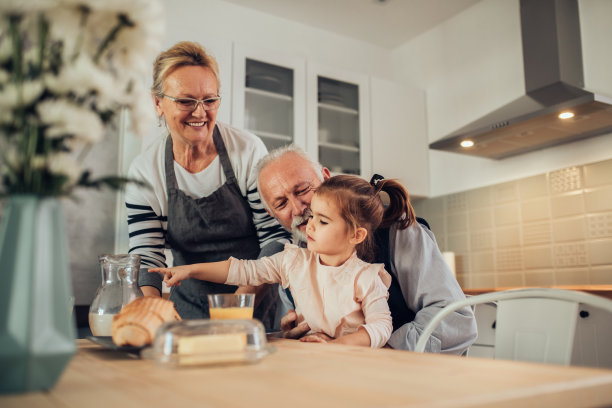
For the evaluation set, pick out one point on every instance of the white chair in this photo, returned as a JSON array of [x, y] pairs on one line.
[[539, 325]]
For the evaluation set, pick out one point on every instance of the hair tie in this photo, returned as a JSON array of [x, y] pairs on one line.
[[375, 179]]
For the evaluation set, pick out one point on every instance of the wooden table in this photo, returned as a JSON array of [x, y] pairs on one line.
[[318, 375]]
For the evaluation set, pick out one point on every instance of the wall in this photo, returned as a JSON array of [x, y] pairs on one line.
[[91, 217], [472, 64], [201, 20], [553, 228]]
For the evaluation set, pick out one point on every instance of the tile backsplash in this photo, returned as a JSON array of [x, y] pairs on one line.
[[550, 229]]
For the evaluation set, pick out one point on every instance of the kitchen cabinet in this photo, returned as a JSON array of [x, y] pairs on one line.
[[338, 127], [348, 121], [285, 100], [399, 134], [269, 96]]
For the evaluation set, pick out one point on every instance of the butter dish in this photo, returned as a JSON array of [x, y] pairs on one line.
[[202, 342]]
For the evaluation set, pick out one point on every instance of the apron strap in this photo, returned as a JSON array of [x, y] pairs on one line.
[[171, 183], [224, 157]]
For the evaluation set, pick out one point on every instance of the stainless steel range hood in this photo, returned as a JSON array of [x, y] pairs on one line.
[[552, 61]]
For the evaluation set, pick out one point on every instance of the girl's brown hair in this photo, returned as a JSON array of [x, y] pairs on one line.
[[361, 205]]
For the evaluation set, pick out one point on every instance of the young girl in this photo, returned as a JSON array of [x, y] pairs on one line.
[[341, 297]]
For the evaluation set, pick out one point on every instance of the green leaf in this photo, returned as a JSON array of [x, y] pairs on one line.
[[112, 182]]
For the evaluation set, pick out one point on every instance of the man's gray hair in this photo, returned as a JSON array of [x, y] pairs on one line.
[[278, 153]]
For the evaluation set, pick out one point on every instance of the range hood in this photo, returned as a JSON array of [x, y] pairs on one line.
[[552, 61]]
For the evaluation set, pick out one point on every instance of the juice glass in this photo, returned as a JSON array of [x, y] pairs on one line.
[[231, 306]]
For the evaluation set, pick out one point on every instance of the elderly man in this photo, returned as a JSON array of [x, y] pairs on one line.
[[422, 282]]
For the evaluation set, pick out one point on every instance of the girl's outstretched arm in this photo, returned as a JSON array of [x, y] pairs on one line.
[[210, 271]]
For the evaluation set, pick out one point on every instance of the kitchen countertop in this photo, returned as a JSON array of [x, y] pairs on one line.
[[311, 374], [600, 290]]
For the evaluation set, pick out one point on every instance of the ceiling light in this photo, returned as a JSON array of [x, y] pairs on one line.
[[467, 143], [566, 115]]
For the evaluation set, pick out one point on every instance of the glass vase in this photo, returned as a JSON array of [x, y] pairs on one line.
[[37, 330]]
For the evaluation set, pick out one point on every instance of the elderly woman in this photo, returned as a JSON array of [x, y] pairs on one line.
[[203, 203]]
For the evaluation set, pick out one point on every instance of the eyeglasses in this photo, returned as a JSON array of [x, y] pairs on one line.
[[191, 104]]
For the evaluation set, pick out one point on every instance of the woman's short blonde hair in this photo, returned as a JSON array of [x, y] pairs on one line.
[[181, 54]]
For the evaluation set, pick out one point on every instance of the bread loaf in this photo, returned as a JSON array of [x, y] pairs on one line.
[[137, 322]]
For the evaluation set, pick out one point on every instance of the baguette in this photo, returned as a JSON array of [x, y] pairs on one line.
[[137, 322]]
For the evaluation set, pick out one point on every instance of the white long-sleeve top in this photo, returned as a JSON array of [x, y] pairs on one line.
[[335, 300], [147, 209]]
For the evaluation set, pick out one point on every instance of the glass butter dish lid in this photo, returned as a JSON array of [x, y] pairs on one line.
[[203, 342]]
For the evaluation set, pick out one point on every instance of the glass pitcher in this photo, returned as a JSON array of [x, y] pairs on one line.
[[119, 287]]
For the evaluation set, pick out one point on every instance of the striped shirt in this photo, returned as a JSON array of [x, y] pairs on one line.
[[147, 209]]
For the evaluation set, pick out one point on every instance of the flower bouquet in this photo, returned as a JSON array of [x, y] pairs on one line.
[[67, 68]]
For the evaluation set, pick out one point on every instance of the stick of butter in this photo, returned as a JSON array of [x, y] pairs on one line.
[[212, 348]]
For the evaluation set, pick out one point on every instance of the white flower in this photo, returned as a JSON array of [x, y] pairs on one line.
[[38, 162], [11, 156], [83, 77], [76, 3], [141, 12], [13, 95], [67, 118], [31, 57], [6, 116], [97, 60], [21, 6], [6, 48], [4, 76], [64, 163], [65, 25]]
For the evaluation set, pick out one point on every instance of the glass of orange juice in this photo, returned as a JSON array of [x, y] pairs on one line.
[[231, 305]]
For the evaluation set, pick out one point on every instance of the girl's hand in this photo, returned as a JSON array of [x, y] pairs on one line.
[[173, 276], [317, 338]]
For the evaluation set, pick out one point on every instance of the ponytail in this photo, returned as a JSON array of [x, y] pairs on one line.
[[399, 209]]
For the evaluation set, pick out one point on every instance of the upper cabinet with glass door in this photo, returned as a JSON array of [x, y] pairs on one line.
[[268, 98], [338, 121]]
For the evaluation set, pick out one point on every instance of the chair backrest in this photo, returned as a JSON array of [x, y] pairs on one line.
[[534, 324], [593, 340], [535, 329], [486, 320]]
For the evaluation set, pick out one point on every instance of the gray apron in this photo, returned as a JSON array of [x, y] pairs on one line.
[[207, 229]]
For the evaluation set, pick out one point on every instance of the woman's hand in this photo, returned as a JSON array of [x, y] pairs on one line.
[[174, 276], [317, 338]]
